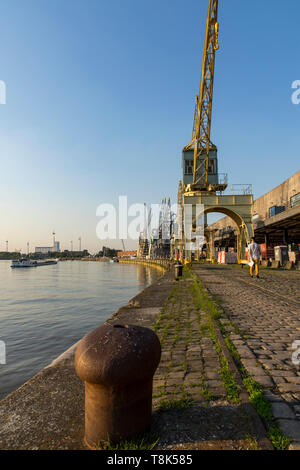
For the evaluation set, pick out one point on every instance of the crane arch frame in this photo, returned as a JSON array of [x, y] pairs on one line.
[[238, 207]]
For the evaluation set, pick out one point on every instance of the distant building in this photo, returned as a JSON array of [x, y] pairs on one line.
[[56, 247], [127, 254], [43, 249], [48, 249], [276, 221]]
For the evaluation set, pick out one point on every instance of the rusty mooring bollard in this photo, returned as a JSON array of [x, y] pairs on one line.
[[117, 363], [178, 270]]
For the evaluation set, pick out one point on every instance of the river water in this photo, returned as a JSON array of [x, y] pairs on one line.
[[45, 310]]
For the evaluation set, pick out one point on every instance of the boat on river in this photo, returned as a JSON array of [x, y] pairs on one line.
[[24, 263], [30, 263]]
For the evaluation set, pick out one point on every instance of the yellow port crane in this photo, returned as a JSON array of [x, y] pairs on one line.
[[200, 191], [201, 143]]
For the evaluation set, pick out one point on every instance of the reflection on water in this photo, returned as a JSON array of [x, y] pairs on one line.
[[45, 310], [147, 275]]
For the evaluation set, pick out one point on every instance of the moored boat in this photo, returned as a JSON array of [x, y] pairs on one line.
[[30, 263], [24, 263]]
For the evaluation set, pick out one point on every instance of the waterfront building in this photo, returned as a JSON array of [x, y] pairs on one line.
[[276, 221]]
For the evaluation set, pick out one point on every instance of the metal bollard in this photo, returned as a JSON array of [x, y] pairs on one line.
[[117, 364], [178, 270]]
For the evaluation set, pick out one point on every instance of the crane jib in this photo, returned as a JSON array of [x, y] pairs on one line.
[[201, 143]]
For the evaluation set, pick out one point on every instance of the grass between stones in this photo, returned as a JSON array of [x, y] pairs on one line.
[[180, 403], [144, 441], [255, 391], [202, 302]]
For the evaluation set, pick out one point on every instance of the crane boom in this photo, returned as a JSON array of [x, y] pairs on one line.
[[201, 143]]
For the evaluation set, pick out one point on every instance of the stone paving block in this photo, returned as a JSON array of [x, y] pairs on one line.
[[234, 337], [288, 387], [194, 349], [218, 392], [297, 409], [289, 398], [265, 381], [209, 355], [237, 342], [272, 397], [176, 377], [212, 375], [268, 364], [293, 380], [178, 359], [282, 373], [283, 355], [290, 427], [161, 370], [282, 410], [247, 363], [157, 383], [206, 342], [194, 377], [214, 383], [256, 371], [194, 368], [279, 380], [245, 352], [165, 356], [211, 365]]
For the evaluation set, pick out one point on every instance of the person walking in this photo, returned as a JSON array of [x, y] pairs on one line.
[[254, 253]]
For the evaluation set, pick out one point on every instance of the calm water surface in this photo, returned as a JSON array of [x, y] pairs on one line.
[[45, 310]]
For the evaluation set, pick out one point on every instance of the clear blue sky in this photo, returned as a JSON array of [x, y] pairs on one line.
[[100, 102]]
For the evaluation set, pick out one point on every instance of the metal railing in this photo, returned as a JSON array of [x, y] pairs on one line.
[[238, 189], [222, 178]]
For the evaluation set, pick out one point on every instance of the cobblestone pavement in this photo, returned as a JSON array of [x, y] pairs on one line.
[[262, 317], [190, 365], [194, 383]]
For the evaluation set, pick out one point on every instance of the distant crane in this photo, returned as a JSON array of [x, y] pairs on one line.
[[123, 245], [6, 246], [79, 239], [71, 245]]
